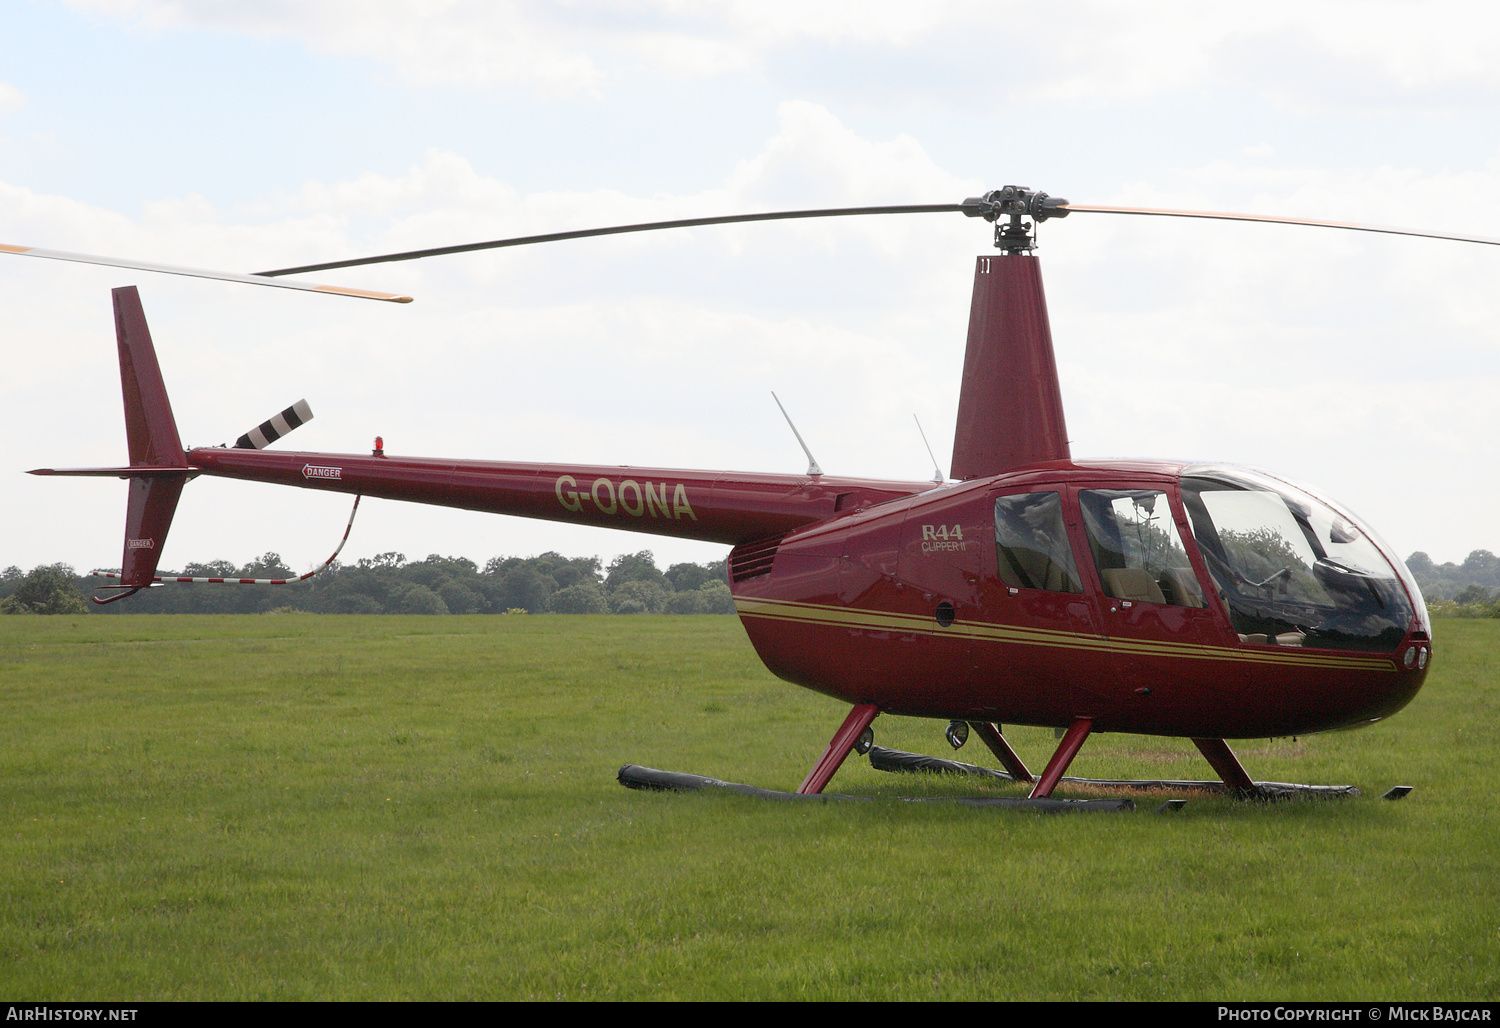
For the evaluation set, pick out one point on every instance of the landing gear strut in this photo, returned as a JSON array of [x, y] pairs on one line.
[[838, 749], [1066, 751]]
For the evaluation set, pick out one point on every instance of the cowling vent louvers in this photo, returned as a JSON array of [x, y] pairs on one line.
[[753, 559]]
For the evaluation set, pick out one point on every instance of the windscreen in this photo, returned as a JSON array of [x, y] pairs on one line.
[[1292, 570]]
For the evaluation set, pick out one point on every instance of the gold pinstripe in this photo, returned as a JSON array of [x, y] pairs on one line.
[[921, 624]]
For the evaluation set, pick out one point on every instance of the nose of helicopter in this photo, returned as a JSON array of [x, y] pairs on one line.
[[1413, 659]]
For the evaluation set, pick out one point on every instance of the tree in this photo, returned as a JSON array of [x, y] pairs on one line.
[[639, 597], [525, 586], [717, 598], [354, 603], [1473, 594], [437, 569], [212, 569], [49, 589], [632, 567], [421, 600], [579, 598], [1481, 564], [389, 559], [267, 565], [461, 598], [688, 577], [689, 601], [1420, 564]]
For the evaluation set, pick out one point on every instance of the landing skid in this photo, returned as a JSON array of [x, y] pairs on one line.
[[633, 776], [883, 759]]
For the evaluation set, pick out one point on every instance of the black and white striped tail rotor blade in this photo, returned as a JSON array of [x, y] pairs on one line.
[[267, 432]]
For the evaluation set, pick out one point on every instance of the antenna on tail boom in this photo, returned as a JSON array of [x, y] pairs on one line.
[[937, 474], [812, 464]]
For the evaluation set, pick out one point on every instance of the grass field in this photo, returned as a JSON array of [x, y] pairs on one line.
[[299, 807]]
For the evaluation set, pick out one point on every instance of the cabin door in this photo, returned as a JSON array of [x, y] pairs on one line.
[[1164, 637]]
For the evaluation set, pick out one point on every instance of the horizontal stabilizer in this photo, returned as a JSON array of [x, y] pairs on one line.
[[134, 471], [267, 432]]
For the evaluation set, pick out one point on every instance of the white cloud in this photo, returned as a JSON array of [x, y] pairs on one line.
[[1339, 52], [11, 99], [462, 42]]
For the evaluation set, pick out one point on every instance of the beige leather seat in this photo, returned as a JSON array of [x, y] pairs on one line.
[[1041, 571], [1132, 584], [1181, 587]]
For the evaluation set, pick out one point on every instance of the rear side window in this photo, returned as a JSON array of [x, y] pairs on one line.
[[1031, 543]]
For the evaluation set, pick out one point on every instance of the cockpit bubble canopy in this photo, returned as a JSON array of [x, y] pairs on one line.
[[1291, 569]]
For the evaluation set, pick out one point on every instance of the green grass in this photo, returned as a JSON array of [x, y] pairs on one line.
[[298, 807]]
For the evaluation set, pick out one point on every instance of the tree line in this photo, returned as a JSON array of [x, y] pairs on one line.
[[547, 584], [390, 584], [1470, 589]]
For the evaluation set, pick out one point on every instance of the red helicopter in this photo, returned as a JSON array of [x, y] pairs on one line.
[[1203, 601]]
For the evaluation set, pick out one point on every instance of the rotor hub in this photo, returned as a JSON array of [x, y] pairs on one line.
[[1008, 207]]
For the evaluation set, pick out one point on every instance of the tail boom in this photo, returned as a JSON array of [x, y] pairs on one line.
[[722, 507]]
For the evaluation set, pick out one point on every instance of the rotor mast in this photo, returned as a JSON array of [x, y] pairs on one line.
[[1010, 411]]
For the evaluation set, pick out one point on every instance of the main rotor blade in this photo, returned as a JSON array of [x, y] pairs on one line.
[[648, 226], [224, 276], [1221, 216]]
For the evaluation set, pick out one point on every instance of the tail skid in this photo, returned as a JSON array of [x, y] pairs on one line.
[[184, 580]]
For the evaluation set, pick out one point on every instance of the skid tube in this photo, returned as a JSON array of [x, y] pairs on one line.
[[633, 776], [883, 759]]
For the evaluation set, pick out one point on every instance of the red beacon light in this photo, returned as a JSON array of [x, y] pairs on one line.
[[379, 450]]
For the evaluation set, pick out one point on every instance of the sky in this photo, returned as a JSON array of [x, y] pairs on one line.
[[250, 136]]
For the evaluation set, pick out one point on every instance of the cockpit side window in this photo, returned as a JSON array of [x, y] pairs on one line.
[[1136, 547], [1031, 543]]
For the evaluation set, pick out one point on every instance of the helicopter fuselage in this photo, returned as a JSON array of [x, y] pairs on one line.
[[904, 595], [904, 605]]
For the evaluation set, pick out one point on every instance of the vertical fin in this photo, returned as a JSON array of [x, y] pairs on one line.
[[148, 515], [151, 435], [150, 429], [1010, 409]]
